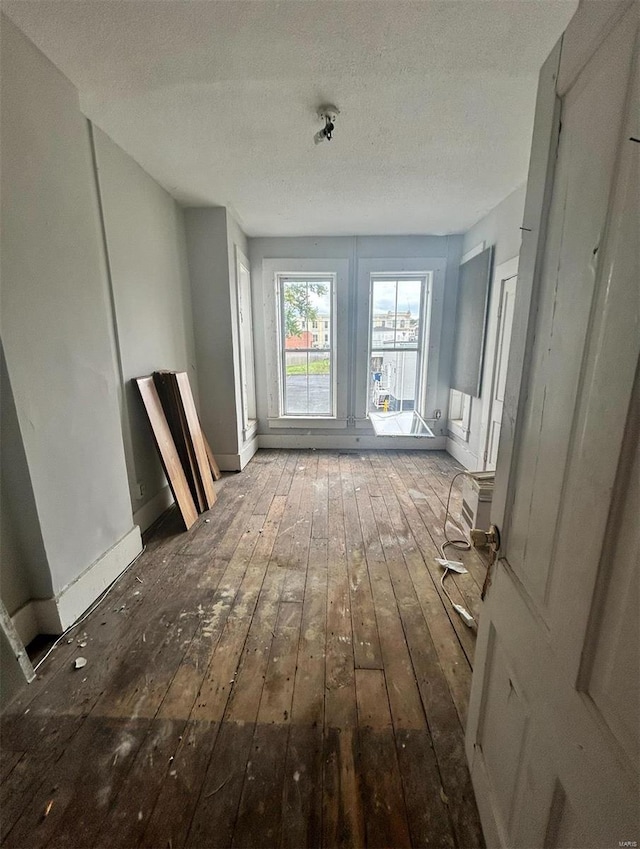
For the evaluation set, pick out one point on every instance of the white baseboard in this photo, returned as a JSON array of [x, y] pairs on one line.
[[462, 454], [153, 509], [248, 451], [356, 443], [37, 616], [74, 599]]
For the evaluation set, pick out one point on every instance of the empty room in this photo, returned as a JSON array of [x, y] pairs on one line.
[[320, 424]]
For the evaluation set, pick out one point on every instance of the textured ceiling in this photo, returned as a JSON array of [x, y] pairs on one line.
[[217, 101]]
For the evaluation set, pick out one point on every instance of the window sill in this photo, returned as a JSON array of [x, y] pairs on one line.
[[305, 422], [455, 427]]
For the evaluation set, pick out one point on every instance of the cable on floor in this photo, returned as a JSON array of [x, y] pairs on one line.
[[458, 545]]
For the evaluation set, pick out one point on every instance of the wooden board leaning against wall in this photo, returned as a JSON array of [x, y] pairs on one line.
[[185, 454]]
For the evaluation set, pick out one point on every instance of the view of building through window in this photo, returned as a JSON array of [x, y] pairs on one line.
[[307, 355], [396, 343]]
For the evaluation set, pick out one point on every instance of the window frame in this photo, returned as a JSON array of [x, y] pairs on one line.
[[434, 269], [398, 324], [304, 267], [282, 278]]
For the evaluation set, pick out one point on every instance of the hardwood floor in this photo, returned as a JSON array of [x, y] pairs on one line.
[[286, 674]]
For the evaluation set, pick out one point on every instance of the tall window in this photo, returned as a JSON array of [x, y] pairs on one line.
[[396, 341], [306, 358]]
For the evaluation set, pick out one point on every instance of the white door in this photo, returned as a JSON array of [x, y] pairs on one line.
[[499, 338], [245, 334], [552, 738]]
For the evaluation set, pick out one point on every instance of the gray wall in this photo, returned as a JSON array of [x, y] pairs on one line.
[[353, 249], [24, 571], [500, 228], [211, 236], [144, 232], [55, 315]]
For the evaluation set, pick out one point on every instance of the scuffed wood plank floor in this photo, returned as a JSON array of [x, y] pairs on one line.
[[287, 674]]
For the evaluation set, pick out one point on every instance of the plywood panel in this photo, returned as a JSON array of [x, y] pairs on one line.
[[195, 435], [167, 450]]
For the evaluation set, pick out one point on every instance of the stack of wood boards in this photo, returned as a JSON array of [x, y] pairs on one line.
[[186, 457]]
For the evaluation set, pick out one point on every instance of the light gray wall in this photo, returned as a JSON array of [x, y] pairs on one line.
[[210, 261], [353, 249], [24, 572], [144, 230], [500, 228], [56, 316]]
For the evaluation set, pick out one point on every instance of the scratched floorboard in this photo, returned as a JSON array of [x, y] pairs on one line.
[[286, 674]]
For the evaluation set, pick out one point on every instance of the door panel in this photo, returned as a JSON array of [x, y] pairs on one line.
[[556, 666], [586, 159], [505, 323], [611, 674]]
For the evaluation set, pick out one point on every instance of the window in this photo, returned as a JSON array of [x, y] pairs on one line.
[[306, 364], [394, 354]]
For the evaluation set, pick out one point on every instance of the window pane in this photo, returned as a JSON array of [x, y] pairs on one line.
[[393, 380], [295, 303], [306, 308], [408, 315], [307, 384], [320, 303], [383, 313]]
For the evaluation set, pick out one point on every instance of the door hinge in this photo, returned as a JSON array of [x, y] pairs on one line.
[[486, 539]]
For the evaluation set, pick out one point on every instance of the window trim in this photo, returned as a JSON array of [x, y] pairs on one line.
[[425, 297], [282, 349], [461, 425], [293, 267], [434, 269]]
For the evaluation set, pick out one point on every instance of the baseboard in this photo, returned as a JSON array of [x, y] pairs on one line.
[[229, 462], [74, 599], [37, 616], [153, 509], [462, 454], [248, 451], [355, 443]]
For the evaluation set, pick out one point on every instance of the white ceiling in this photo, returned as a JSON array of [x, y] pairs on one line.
[[217, 100]]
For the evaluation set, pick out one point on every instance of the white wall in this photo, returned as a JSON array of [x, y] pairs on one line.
[[55, 316], [353, 250], [500, 228], [144, 232]]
